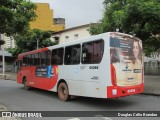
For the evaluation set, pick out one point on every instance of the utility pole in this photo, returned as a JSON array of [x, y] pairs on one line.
[[37, 43], [3, 57]]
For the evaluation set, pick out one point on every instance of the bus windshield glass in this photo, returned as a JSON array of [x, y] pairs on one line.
[[126, 60]]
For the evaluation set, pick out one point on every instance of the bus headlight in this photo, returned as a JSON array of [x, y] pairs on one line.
[[114, 92]]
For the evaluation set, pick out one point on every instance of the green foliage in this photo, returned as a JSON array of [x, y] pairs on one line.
[[14, 51], [139, 17], [15, 15], [28, 41]]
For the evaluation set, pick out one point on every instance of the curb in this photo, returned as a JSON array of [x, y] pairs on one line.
[[151, 94], [7, 79]]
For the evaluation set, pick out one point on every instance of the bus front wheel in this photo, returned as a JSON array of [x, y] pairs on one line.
[[26, 87], [63, 92]]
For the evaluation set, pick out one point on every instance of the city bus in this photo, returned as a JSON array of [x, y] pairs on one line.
[[108, 65]]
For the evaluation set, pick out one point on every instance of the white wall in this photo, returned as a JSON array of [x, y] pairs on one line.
[[73, 34]]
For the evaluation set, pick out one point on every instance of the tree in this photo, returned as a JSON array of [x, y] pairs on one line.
[[139, 17], [28, 41], [15, 15]]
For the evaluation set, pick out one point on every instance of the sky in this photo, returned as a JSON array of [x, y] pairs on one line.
[[76, 12]]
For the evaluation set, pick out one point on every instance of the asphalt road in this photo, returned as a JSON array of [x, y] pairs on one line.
[[15, 98]]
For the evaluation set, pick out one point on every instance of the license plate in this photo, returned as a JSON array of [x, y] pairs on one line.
[[131, 90]]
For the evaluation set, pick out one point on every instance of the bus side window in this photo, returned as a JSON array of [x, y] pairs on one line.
[[36, 59], [87, 53], [72, 55], [76, 56], [57, 56], [98, 51], [92, 52], [84, 55], [30, 60], [68, 51], [48, 57], [19, 65], [43, 58], [25, 61]]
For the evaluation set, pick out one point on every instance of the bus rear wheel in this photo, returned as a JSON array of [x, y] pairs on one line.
[[63, 92], [25, 83]]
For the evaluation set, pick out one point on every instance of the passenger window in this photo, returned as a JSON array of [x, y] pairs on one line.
[[30, 60], [57, 56], [48, 58], [92, 52], [45, 58], [25, 61], [72, 55], [19, 65], [36, 59]]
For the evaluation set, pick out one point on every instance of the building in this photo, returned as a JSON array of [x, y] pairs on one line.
[[9, 41], [152, 64], [9, 60], [45, 19], [71, 34]]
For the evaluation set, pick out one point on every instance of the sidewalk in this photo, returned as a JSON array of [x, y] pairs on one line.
[[8, 76], [152, 85]]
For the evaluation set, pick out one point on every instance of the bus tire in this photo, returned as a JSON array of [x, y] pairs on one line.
[[63, 92], [25, 83]]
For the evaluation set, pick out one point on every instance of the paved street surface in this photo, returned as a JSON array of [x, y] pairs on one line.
[[15, 98]]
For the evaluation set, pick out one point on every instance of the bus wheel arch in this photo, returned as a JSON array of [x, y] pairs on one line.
[[63, 91], [25, 83]]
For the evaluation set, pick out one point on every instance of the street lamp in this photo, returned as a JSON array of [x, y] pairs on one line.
[[3, 58], [37, 43]]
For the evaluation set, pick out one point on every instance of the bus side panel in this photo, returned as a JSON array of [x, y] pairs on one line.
[[19, 77], [46, 82], [25, 72], [105, 68], [45, 79], [70, 73]]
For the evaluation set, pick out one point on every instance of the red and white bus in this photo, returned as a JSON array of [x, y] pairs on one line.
[[107, 65]]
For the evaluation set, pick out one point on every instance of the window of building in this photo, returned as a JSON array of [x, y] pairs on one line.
[[76, 36], [72, 54], [92, 52], [57, 56], [66, 38]]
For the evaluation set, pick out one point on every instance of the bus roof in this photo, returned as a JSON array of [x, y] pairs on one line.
[[86, 39], [20, 56]]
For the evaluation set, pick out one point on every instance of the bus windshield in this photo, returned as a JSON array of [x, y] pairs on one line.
[[126, 60]]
